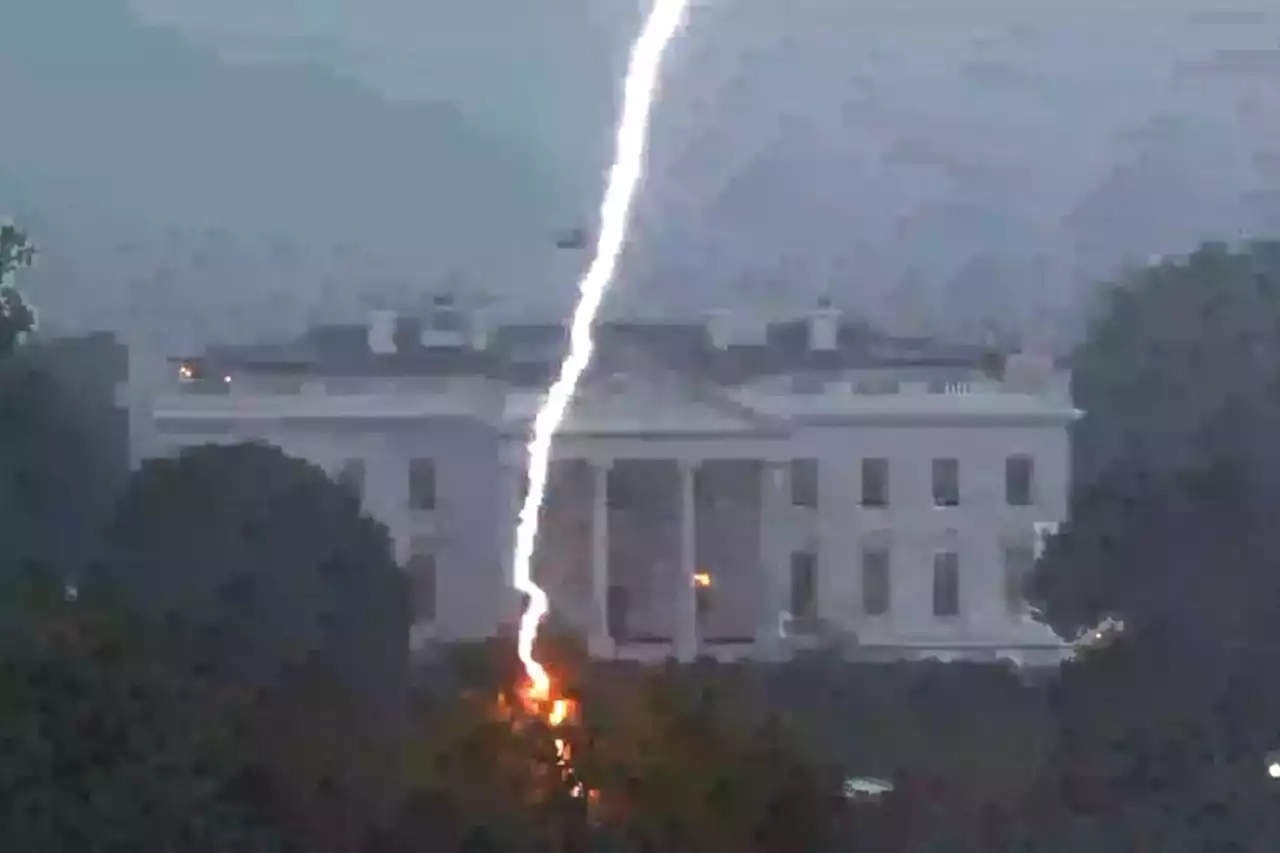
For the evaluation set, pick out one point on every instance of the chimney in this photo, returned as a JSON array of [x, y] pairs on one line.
[[824, 326], [381, 333]]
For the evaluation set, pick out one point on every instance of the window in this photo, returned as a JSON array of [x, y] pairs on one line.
[[351, 476], [421, 570], [875, 482], [1019, 560], [618, 605], [1019, 480], [946, 482], [702, 599], [804, 584], [875, 580], [804, 483], [946, 583], [422, 484]]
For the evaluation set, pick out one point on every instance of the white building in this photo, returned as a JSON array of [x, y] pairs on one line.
[[727, 487]]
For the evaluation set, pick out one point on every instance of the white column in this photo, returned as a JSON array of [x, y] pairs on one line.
[[686, 602], [773, 555], [600, 640]]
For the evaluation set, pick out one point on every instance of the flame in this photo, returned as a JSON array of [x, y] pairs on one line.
[[702, 580], [555, 713], [639, 91]]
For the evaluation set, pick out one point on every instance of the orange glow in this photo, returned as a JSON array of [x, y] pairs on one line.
[[702, 580], [555, 712]]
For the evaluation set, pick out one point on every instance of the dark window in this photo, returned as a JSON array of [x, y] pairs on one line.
[[617, 605], [804, 584], [946, 583], [804, 483], [875, 581], [1019, 560], [351, 476], [422, 484], [946, 482], [875, 482], [1019, 480], [421, 569]]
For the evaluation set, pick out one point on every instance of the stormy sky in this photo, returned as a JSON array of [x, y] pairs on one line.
[[236, 169]]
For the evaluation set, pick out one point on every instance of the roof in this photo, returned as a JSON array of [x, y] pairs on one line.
[[530, 353]]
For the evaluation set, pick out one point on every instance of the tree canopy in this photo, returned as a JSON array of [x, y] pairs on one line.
[[265, 557], [17, 317], [1162, 734], [1176, 469]]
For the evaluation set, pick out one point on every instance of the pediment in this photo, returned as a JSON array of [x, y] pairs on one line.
[[655, 400], [630, 393]]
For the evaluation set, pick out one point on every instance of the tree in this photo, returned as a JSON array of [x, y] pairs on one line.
[[1162, 733], [267, 556], [1176, 467], [684, 762], [676, 760], [273, 582], [64, 455], [17, 318], [104, 750]]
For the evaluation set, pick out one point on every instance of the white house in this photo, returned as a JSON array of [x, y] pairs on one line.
[[724, 487]]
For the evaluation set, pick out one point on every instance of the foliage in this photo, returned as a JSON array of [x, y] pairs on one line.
[[106, 751], [675, 761], [1178, 367], [277, 565], [1161, 735], [17, 318], [63, 454], [272, 582], [680, 767], [1175, 463], [1140, 766]]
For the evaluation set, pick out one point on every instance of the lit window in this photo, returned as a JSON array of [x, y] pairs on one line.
[[702, 592]]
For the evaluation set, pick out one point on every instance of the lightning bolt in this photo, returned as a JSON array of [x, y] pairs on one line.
[[639, 91]]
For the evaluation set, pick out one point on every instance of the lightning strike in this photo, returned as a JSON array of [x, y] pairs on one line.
[[639, 91]]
